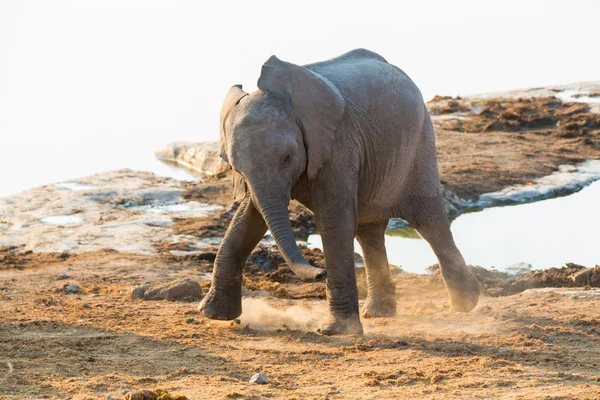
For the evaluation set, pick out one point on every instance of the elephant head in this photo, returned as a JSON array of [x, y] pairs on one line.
[[274, 135]]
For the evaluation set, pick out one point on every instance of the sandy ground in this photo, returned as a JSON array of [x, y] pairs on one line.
[[99, 342]]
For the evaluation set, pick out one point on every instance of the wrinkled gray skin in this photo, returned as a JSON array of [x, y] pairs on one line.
[[351, 139]]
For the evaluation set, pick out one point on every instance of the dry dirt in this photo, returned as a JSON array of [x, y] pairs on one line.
[[538, 343], [99, 342]]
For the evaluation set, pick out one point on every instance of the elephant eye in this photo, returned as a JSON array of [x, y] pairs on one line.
[[285, 161]]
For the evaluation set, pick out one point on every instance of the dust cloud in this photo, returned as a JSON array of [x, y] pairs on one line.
[[260, 315], [424, 319]]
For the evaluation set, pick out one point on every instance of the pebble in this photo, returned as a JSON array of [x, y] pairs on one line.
[[502, 351], [63, 277], [71, 288], [259, 378]]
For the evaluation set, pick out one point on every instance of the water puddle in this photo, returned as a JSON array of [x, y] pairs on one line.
[[177, 207], [206, 243], [576, 96], [75, 186], [62, 220], [182, 253], [160, 222], [544, 234]]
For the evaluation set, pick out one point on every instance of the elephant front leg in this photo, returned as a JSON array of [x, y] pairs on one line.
[[337, 229], [224, 299]]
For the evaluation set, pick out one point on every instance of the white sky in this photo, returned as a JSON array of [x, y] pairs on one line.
[[88, 83]]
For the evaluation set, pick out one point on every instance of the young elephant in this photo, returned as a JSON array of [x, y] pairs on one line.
[[351, 139]]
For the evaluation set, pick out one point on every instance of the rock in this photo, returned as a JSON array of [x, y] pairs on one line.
[[582, 278], [138, 292], [519, 269], [502, 351], [71, 289], [63, 277], [183, 289], [259, 378], [395, 223], [203, 158], [588, 276], [595, 276], [141, 395]]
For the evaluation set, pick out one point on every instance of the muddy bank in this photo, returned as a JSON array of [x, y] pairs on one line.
[[499, 144]]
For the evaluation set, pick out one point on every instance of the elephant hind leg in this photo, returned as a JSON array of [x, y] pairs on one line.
[[430, 219], [381, 298]]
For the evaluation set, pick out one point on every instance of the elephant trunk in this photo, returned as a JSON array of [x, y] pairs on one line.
[[275, 213]]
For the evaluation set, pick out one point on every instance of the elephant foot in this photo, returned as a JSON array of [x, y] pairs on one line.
[[342, 325], [464, 289], [222, 305], [375, 307]]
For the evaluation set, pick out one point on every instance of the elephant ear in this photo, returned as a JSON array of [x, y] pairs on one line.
[[239, 187], [233, 97], [315, 101]]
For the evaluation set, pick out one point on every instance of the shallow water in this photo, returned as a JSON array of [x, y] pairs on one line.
[[544, 234], [576, 96], [62, 220], [178, 207]]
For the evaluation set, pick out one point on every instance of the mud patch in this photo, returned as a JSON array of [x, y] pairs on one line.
[[302, 219], [267, 271], [204, 227], [447, 105], [547, 115], [15, 257]]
